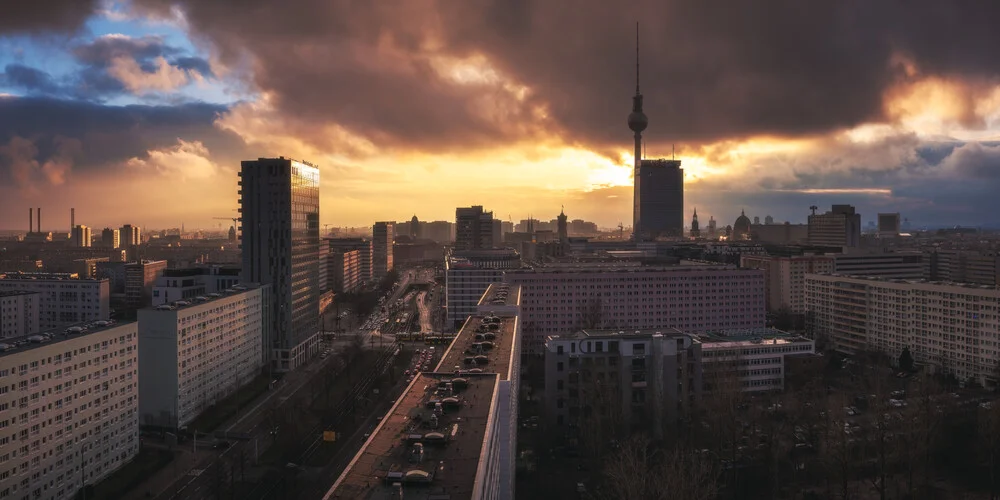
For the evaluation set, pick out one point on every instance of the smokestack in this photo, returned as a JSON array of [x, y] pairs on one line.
[[31, 220], [72, 219], [39, 219]]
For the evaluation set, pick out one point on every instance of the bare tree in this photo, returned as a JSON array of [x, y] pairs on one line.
[[640, 471], [989, 435], [601, 416], [591, 313]]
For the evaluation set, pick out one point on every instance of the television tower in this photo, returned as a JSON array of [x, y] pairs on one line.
[[637, 122]]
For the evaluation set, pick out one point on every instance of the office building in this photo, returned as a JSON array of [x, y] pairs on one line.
[[71, 414], [951, 328], [660, 209], [344, 270], [383, 236], [756, 359], [784, 278], [110, 238], [139, 279], [840, 227], [64, 299], [473, 228], [693, 298], [364, 248], [195, 353], [453, 432], [962, 266], [441, 231], [130, 235], [279, 205], [647, 378], [323, 258], [19, 310], [902, 265], [467, 276], [188, 283], [888, 225], [80, 237]]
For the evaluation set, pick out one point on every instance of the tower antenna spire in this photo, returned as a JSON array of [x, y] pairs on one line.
[[637, 57]]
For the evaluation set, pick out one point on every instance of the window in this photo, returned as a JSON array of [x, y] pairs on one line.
[[559, 366], [559, 349]]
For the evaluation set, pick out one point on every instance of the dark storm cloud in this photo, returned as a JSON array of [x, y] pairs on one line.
[[195, 64], [30, 79], [35, 16], [710, 69], [103, 137]]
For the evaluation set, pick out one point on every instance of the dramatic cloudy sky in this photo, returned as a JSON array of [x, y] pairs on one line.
[[139, 111]]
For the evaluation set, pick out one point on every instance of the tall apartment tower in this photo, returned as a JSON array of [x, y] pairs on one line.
[[81, 236], [840, 227], [279, 205], [658, 185], [111, 238], [473, 228], [130, 235], [383, 235]]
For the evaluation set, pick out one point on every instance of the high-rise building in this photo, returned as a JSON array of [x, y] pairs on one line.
[[441, 231], [139, 279], [279, 205], [343, 245], [193, 354], [962, 266], [950, 328], [467, 276], [64, 299], [81, 390], [473, 228], [888, 225], [130, 235], [110, 238], [562, 223], [80, 236], [345, 271], [784, 278], [898, 265], [383, 236], [840, 227], [19, 310]]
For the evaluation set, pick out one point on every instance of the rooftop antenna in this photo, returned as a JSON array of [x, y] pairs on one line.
[[637, 57]]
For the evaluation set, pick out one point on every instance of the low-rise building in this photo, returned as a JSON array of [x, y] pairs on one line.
[[19, 311], [193, 354], [752, 359], [68, 408], [64, 299]]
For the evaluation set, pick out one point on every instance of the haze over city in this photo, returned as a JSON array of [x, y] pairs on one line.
[[146, 107]]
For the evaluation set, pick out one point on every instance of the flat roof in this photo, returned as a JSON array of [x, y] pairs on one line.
[[387, 463], [11, 293], [747, 336], [617, 334], [22, 344], [501, 294], [46, 277], [683, 266], [202, 299]]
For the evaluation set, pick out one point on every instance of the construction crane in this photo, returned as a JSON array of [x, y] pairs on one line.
[[235, 220]]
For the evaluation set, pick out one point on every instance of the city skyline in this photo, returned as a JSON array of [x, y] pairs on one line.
[[156, 103]]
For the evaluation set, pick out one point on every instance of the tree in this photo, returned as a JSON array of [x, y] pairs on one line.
[[592, 313], [906, 360], [640, 471]]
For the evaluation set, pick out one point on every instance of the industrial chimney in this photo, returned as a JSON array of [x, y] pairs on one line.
[[31, 220], [39, 219], [72, 219]]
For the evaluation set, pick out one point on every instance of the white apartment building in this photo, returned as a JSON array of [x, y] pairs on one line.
[[757, 356], [467, 276], [68, 409], [692, 298], [186, 284], [193, 354], [953, 328], [18, 313], [784, 278], [63, 299]]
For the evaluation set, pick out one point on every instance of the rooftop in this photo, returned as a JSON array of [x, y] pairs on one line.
[[43, 276], [12, 293], [17, 345], [684, 266], [202, 299], [615, 333], [501, 294], [746, 336], [899, 281], [430, 444]]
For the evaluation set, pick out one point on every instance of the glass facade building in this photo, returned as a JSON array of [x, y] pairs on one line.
[[659, 208], [279, 204]]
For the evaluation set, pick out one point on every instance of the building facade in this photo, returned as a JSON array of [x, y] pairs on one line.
[[839, 227], [962, 266], [752, 360], [193, 354], [19, 312], [784, 278], [473, 228], [364, 248], [647, 377], [279, 204], [900, 265], [80, 236], [63, 299], [467, 276], [139, 279], [661, 200], [186, 284], [345, 271], [383, 236], [71, 401], [691, 298], [130, 235], [952, 328], [111, 238]]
